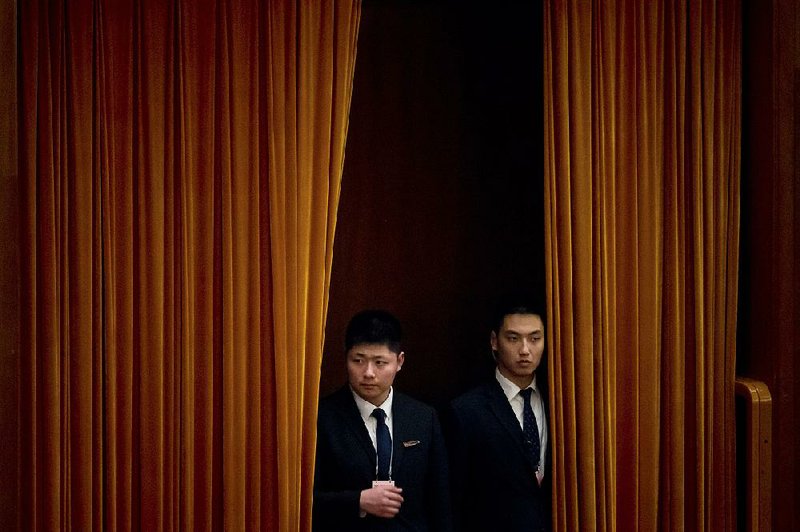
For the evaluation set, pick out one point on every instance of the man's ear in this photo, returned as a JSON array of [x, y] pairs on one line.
[[401, 358], [493, 341]]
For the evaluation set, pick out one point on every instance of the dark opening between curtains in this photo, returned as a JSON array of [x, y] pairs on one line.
[[441, 204]]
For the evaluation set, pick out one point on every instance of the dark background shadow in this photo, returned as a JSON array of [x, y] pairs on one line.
[[442, 193]]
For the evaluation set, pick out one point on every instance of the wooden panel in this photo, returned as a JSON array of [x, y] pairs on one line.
[[758, 454], [769, 288], [9, 267]]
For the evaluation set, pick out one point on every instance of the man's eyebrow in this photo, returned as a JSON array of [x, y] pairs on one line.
[[368, 355], [512, 331]]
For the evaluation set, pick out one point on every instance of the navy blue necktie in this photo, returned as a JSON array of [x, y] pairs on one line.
[[383, 443], [530, 429]]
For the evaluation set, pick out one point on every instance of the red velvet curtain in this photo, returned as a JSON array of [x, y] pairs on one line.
[[180, 166], [642, 143]]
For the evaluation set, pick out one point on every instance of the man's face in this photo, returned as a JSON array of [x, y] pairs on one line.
[[371, 369], [519, 345]]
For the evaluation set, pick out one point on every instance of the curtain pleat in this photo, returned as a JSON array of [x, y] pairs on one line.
[[181, 164], [320, 62], [641, 182]]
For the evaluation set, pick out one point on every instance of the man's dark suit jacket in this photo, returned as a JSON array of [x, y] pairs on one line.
[[493, 478], [345, 465]]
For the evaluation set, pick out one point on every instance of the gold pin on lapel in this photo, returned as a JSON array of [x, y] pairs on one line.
[[411, 443]]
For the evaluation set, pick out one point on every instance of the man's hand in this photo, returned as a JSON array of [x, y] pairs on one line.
[[383, 501]]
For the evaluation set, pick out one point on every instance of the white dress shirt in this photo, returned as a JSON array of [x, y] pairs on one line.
[[512, 393]]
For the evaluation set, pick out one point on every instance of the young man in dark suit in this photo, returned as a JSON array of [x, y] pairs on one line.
[[497, 432], [381, 461]]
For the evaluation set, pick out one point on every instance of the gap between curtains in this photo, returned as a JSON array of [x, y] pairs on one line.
[[180, 166], [642, 132]]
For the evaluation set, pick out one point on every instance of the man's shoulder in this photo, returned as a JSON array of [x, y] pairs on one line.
[[407, 402], [475, 396], [337, 400]]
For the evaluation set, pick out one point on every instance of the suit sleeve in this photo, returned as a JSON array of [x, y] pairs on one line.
[[458, 453], [332, 506], [439, 507]]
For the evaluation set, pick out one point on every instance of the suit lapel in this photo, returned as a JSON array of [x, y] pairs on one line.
[[354, 423], [401, 422], [499, 406]]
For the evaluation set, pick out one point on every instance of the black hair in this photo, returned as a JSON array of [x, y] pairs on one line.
[[374, 327], [515, 303]]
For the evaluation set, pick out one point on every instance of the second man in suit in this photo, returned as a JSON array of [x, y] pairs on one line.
[[498, 434], [381, 462]]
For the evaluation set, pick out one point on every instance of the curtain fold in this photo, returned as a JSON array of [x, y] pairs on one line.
[[181, 165], [641, 186]]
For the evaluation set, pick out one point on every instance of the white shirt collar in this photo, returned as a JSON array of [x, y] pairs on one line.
[[509, 388], [366, 408]]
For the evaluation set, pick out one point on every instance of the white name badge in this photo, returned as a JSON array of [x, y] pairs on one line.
[[376, 483]]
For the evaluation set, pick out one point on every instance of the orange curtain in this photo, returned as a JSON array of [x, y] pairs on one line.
[[180, 167], [642, 148]]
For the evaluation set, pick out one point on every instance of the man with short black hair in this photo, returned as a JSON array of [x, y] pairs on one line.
[[497, 432], [381, 462]]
